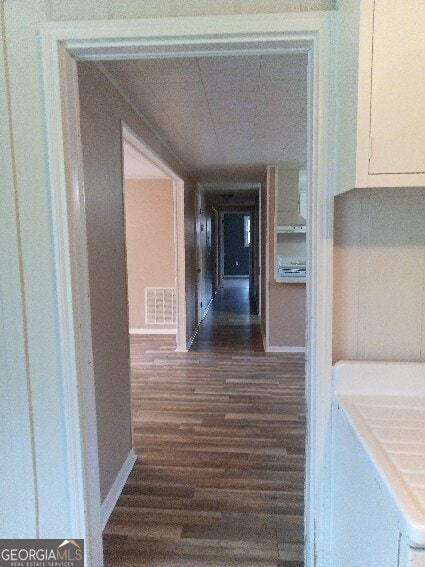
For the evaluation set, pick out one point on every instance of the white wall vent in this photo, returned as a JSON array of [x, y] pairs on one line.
[[160, 305]]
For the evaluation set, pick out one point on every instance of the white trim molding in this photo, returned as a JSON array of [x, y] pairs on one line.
[[254, 34], [179, 247], [191, 339], [287, 349], [152, 331], [111, 499]]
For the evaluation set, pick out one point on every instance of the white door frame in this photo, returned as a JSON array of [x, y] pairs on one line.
[[133, 139], [64, 42]]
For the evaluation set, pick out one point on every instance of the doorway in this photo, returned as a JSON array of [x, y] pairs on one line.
[[151, 241], [236, 245], [65, 41]]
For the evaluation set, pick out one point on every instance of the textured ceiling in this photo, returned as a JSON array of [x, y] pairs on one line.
[[226, 118]]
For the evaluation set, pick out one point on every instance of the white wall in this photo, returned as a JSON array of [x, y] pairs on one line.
[[291, 245], [346, 53], [379, 275], [17, 465]]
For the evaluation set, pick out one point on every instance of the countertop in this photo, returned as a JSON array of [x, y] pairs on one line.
[[301, 279], [385, 406]]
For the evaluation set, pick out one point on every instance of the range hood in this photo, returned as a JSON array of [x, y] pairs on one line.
[[299, 228]]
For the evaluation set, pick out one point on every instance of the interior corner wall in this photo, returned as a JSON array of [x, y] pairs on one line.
[[102, 111], [379, 275], [151, 258]]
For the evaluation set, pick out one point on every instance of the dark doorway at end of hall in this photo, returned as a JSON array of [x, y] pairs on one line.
[[237, 240]]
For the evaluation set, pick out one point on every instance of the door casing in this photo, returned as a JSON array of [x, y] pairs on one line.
[[62, 44]]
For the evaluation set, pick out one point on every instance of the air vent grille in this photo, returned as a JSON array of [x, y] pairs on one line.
[[160, 305]]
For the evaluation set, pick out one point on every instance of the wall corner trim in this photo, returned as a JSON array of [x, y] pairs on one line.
[[152, 331], [109, 503]]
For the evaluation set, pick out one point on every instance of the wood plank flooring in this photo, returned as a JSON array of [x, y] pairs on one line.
[[219, 434]]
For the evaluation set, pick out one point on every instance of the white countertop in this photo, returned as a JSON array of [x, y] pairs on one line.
[[291, 280], [385, 406]]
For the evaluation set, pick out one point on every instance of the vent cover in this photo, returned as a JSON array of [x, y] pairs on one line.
[[160, 305]]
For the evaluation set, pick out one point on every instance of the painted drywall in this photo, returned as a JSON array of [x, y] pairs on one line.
[[291, 245], [18, 512], [29, 300], [287, 301], [347, 19], [151, 258], [379, 269], [102, 167]]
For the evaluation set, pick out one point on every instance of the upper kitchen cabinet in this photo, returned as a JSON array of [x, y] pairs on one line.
[[290, 199], [380, 93]]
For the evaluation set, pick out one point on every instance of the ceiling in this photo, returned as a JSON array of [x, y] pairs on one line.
[[226, 118]]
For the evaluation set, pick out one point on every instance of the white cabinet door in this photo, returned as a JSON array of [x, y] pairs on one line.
[[380, 94], [410, 557], [397, 107]]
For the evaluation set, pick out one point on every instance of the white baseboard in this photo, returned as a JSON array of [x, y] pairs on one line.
[[192, 338], [152, 331], [285, 349], [204, 314], [109, 503]]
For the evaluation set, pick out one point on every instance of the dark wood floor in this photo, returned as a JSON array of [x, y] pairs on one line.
[[219, 434]]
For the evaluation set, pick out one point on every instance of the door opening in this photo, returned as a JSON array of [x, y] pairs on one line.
[[61, 44], [151, 243]]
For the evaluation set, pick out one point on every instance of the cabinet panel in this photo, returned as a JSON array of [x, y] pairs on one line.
[[410, 557], [398, 88], [379, 94]]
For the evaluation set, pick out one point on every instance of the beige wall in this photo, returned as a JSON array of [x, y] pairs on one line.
[[100, 135], [287, 314], [149, 219], [102, 109], [379, 269], [287, 301]]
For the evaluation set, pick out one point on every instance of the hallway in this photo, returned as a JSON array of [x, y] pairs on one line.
[[231, 324], [219, 435]]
